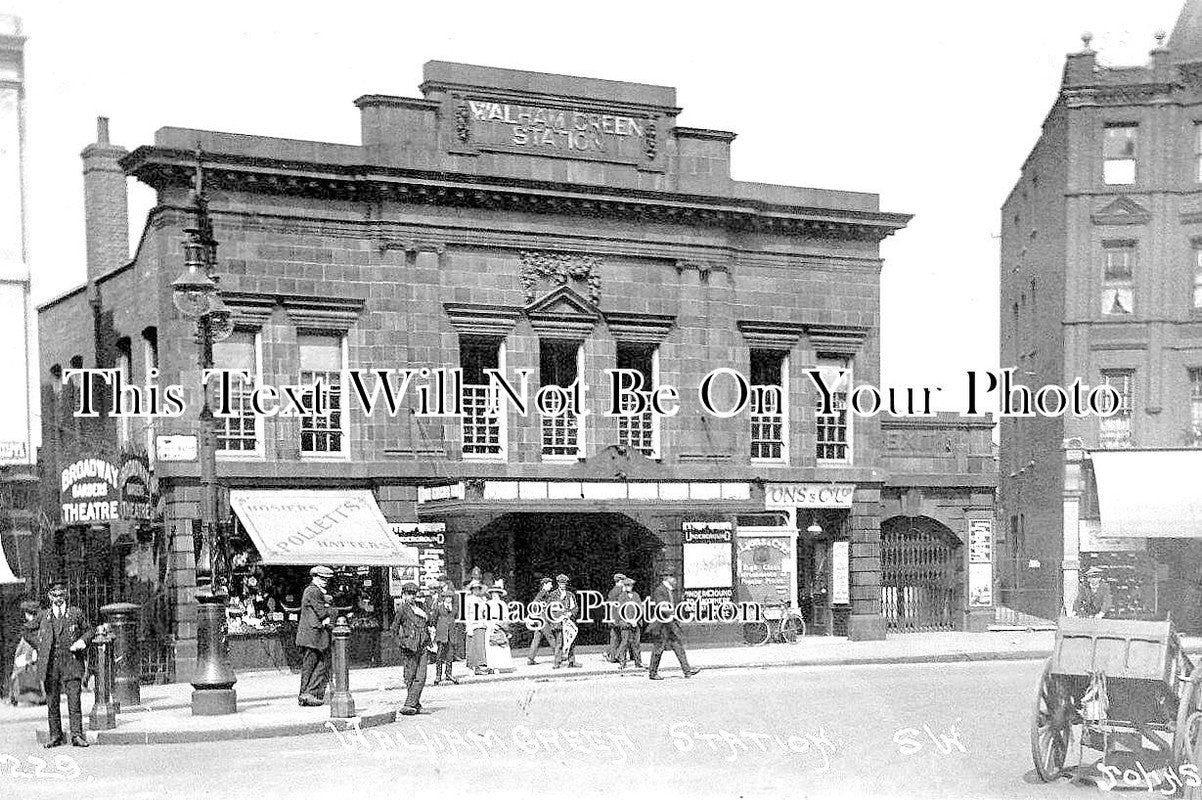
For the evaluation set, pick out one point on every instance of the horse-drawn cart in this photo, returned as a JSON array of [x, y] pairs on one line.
[[1126, 687]]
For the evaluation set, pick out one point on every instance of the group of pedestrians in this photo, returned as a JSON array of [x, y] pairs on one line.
[[51, 660]]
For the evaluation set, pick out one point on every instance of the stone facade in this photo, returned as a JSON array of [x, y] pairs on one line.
[[516, 209], [1099, 269]]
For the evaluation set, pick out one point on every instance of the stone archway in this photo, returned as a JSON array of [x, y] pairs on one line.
[[920, 577], [590, 548]]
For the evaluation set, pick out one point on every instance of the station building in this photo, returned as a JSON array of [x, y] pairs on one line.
[[514, 221]]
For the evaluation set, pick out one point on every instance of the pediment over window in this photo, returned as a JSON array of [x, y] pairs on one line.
[[562, 314], [837, 339], [639, 328], [771, 333], [481, 320], [1121, 211]]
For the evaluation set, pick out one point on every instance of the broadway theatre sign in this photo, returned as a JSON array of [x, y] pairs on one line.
[[97, 490], [337, 527]]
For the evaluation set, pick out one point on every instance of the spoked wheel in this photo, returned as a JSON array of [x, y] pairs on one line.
[[756, 633], [1051, 727], [792, 628], [1193, 734], [1184, 740]]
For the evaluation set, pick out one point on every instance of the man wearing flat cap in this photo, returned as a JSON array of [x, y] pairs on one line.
[[411, 629], [563, 612], [313, 638], [664, 628], [63, 638], [1093, 597], [539, 622], [611, 616]]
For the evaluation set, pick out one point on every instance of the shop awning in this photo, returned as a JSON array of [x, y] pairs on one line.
[[1149, 493], [334, 527]]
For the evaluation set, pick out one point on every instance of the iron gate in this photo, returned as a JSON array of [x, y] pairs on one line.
[[919, 583]]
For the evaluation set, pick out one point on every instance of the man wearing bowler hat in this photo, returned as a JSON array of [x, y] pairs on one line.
[[1093, 598], [63, 638], [664, 628], [313, 638], [411, 629]]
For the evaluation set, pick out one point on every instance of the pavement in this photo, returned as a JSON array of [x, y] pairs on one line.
[[268, 697]]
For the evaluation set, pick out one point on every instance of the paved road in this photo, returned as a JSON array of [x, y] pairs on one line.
[[914, 731]]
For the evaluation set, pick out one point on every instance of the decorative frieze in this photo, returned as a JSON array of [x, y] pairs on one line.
[[558, 269]]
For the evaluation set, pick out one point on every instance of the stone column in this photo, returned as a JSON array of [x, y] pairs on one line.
[[866, 621]]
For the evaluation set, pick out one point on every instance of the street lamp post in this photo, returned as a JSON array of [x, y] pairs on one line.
[[195, 295]]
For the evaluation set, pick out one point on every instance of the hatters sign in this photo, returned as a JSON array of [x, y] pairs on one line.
[[808, 495], [563, 131]]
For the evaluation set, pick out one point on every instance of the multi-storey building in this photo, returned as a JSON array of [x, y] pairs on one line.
[[1101, 280], [19, 397], [512, 221]]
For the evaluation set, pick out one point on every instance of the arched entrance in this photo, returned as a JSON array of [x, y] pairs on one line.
[[920, 580], [590, 548]]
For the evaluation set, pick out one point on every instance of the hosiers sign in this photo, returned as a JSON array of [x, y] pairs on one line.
[[561, 131], [97, 490]]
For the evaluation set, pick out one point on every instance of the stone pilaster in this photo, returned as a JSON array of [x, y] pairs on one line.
[[866, 621]]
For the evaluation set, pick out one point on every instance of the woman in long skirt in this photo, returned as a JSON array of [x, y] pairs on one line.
[[23, 685], [476, 626]]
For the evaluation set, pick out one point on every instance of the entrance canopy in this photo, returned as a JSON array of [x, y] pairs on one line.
[[1149, 493], [336, 527]]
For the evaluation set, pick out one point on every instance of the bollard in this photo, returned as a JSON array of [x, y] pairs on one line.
[[103, 717], [122, 621], [342, 705], [214, 681]]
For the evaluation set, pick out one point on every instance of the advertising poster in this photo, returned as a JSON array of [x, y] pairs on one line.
[[765, 575], [429, 538], [708, 572]]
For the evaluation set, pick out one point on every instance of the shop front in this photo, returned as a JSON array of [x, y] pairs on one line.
[[276, 536], [1138, 517]]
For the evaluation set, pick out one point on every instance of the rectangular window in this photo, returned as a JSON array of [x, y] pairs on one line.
[[150, 362], [322, 361], [483, 417], [834, 431], [1195, 406], [238, 434], [1118, 284], [559, 365], [1198, 151], [1116, 430], [125, 369], [1198, 275], [1119, 142], [639, 433], [769, 400]]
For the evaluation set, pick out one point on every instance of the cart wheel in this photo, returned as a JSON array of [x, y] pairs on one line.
[[1183, 738], [756, 633], [1193, 734], [1050, 727], [792, 628]]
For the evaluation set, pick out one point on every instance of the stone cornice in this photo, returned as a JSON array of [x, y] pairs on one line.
[[307, 313], [481, 320], [771, 333], [639, 328], [837, 339], [163, 167]]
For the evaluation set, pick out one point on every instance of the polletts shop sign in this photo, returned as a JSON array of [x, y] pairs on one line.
[[97, 490]]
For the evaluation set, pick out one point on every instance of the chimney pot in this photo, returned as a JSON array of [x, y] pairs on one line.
[[102, 130]]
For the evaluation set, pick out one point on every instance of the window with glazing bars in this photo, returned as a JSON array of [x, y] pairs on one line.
[[482, 429], [558, 365], [1116, 429], [833, 439], [1118, 269], [638, 432], [768, 393], [321, 363], [237, 433]]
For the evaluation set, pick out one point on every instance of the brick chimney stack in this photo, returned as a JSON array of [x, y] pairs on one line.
[[106, 203]]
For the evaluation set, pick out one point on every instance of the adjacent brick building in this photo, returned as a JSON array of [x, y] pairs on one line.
[[1101, 280], [516, 221]]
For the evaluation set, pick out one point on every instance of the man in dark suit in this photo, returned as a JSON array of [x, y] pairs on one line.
[[664, 629], [413, 636], [442, 620], [611, 611], [539, 622], [564, 607], [629, 617], [63, 639], [313, 638]]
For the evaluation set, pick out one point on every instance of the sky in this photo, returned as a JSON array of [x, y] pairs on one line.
[[932, 104]]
